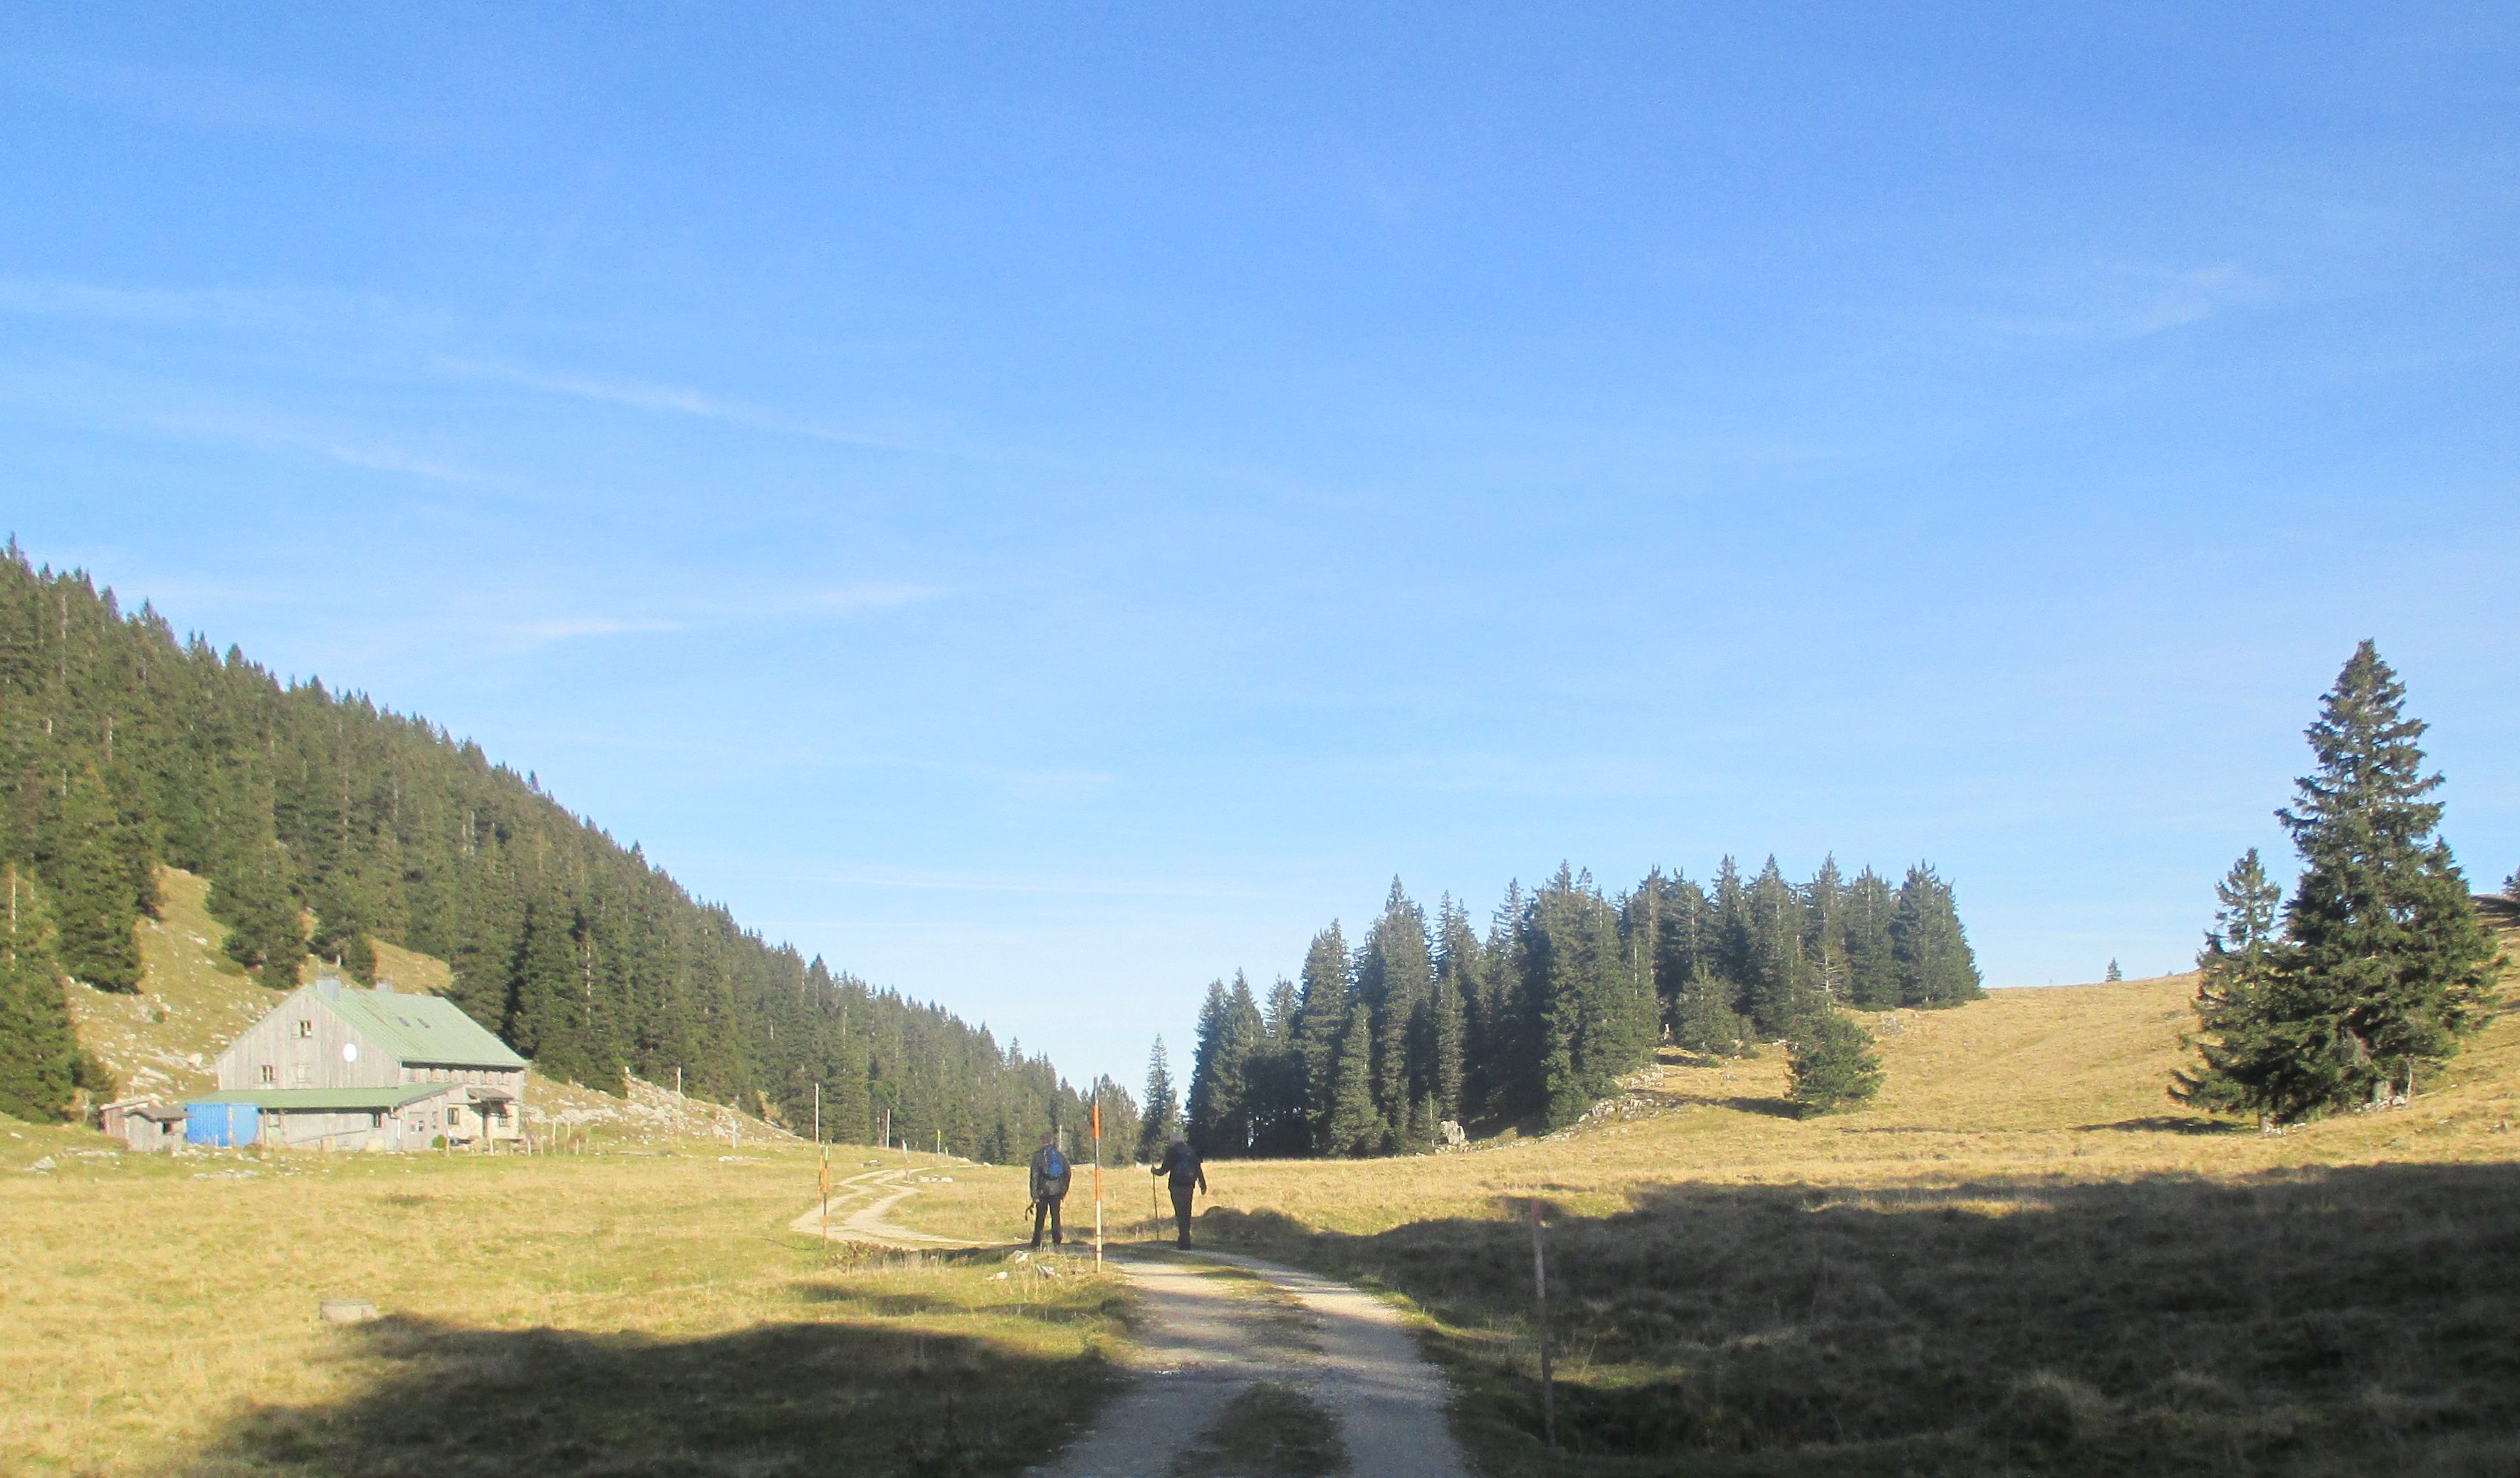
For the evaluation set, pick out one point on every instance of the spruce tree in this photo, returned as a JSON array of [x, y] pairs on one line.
[[2112, 975], [1202, 1113], [1706, 1022], [1871, 958], [1353, 1127], [1395, 977], [38, 1055], [1162, 1112], [1594, 1011], [81, 856], [1447, 1033], [1783, 989], [1278, 1123], [1936, 965], [249, 894], [1321, 1026], [1421, 1133], [1824, 931], [1237, 1068], [2384, 964], [1834, 1066], [2243, 1058]]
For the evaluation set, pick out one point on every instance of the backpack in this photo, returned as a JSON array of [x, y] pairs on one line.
[[1056, 1169]]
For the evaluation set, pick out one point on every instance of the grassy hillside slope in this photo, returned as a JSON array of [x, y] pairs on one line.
[[162, 1040]]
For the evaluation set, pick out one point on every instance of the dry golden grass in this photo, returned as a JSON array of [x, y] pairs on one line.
[[2024, 1258], [553, 1314], [643, 1310]]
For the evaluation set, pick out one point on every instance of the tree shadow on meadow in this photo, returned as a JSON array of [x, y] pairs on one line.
[[447, 1402], [2330, 1321]]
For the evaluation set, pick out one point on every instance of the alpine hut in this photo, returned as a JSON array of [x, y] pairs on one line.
[[341, 1068]]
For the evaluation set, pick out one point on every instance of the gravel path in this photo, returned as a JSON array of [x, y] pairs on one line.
[[859, 1213], [1203, 1338]]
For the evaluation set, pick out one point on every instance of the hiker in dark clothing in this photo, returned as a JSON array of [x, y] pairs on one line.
[[1048, 1188], [1181, 1168]]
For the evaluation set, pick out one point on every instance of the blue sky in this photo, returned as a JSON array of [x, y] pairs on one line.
[[1046, 506]]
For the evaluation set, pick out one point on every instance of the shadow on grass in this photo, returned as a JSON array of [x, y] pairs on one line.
[[1774, 1108], [893, 1305], [2333, 1322], [444, 1401], [2173, 1124]]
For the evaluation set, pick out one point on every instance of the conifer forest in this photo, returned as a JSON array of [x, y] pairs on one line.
[[326, 823], [1376, 1045]]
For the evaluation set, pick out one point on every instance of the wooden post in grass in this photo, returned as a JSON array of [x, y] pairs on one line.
[[1098, 1178], [1540, 1307]]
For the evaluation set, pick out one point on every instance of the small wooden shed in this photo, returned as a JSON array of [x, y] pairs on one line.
[[143, 1123]]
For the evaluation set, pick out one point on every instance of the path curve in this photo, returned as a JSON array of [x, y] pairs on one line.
[[1201, 1342], [859, 1213]]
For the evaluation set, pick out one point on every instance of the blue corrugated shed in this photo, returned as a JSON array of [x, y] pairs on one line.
[[221, 1125]]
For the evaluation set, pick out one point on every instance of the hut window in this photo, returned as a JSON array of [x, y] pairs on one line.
[[269, 1073], [306, 1028]]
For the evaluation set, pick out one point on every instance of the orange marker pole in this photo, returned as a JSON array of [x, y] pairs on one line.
[[1098, 1178]]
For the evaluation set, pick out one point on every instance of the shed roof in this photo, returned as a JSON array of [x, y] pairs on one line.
[[423, 1029], [333, 1100]]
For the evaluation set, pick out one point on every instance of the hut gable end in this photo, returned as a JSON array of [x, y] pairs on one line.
[[308, 1042]]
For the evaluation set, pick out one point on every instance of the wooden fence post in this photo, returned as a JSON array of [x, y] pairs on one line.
[[1540, 1308]]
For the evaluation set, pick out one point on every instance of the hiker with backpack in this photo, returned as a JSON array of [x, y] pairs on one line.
[[1180, 1168], [1048, 1188]]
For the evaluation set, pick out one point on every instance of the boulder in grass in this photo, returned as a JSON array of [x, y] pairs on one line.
[[346, 1311]]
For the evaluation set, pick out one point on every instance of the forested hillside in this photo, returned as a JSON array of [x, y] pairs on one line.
[[1373, 1048], [324, 823]]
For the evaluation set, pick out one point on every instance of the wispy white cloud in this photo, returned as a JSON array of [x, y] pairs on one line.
[[267, 433], [572, 628], [2123, 300], [194, 97], [330, 316], [675, 400]]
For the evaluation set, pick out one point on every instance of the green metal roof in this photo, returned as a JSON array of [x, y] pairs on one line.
[[423, 1029], [331, 1101]]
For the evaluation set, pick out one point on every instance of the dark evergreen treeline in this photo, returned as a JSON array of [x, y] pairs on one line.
[[1372, 1048], [325, 822]]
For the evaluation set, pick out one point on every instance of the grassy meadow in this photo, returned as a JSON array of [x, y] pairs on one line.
[[2023, 1259], [556, 1314], [639, 1307]]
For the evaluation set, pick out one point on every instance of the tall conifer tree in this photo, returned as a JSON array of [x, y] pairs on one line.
[[1395, 977], [1936, 965], [87, 878], [2384, 964], [2235, 1024], [1320, 1028], [1352, 1127], [37, 1055], [1162, 1112]]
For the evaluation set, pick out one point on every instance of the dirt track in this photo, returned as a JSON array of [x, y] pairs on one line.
[[1203, 1340]]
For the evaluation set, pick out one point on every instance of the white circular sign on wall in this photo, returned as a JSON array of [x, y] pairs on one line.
[[349, 1051]]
